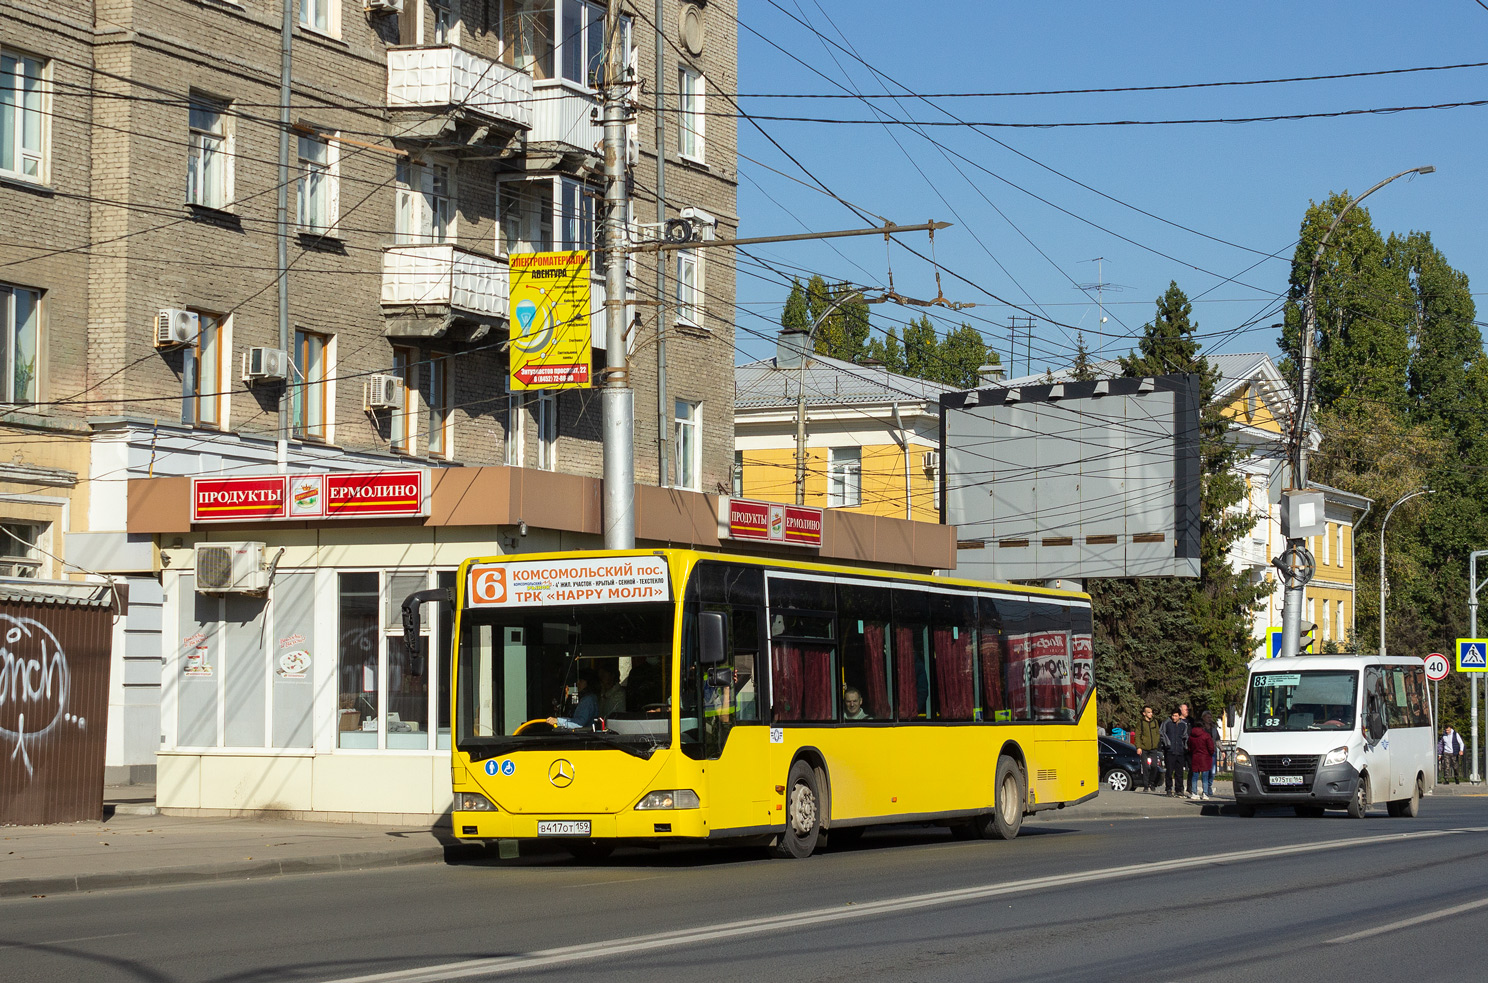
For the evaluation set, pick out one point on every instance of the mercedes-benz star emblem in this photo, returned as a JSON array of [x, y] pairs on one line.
[[561, 774], [1286, 762]]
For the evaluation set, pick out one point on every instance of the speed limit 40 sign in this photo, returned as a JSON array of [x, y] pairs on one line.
[[1437, 667]]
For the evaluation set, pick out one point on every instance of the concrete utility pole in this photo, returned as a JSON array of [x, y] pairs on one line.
[[663, 411], [617, 397], [1296, 564], [286, 36], [1472, 632], [1384, 522]]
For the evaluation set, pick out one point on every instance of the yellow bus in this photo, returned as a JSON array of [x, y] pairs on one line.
[[670, 694]]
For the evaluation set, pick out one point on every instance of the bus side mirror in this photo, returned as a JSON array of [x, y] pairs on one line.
[[710, 636], [412, 640]]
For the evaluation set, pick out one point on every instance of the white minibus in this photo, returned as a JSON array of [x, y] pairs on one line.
[[1335, 732]]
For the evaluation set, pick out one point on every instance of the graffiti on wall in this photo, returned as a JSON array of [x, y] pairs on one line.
[[35, 684]]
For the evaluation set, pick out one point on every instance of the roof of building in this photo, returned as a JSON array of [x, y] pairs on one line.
[[1234, 370], [762, 384]]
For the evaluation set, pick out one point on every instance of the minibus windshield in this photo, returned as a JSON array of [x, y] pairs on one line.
[[1313, 699]]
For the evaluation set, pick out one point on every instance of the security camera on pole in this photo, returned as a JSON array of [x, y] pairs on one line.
[[1301, 510]]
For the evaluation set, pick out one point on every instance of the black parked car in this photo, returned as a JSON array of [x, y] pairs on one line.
[[1121, 764]]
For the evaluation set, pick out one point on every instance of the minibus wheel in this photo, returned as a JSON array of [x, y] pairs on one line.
[[802, 813], [1359, 804], [1411, 807]]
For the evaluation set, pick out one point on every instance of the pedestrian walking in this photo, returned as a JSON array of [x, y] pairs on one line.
[[1201, 750], [1174, 744], [1451, 749], [1187, 758], [1149, 741]]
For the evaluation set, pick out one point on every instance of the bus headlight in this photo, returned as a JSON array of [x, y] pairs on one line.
[[1242, 756], [1337, 756], [672, 798], [473, 802]]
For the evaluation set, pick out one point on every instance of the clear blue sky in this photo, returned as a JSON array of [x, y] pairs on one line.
[[1245, 184]]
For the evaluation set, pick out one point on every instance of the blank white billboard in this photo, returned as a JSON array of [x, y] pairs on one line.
[[1073, 480]]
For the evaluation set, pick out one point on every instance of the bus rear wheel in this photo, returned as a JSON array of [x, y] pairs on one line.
[[1009, 798], [802, 814]]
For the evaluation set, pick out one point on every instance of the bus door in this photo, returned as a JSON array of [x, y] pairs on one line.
[[1377, 753]]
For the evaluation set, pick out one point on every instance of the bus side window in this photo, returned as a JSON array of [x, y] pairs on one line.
[[1415, 687], [1018, 669], [952, 635], [991, 649], [911, 648], [862, 615]]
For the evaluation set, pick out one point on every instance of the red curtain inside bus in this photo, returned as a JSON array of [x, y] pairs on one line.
[[876, 674], [909, 663], [801, 681], [955, 687]]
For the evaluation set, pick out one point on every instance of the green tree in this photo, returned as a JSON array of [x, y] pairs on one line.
[[1082, 370], [888, 351], [959, 356], [921, 348], [796, 316]]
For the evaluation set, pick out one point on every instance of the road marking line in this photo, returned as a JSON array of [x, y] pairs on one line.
[[83, 938], [587, 951], [1407, 923]]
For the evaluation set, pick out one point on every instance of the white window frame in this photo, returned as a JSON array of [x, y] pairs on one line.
[[318, 186], [516, 430], [11, 298], [321, 17], [1327, 540], [30, 153], [1338, 614], [525, 217], [689, 277], [426, 196], [691, 128], [18, 559], [585, 38], [524, 44], [844, 477], [210, 153], [212, 350], [434, 29], [547, 431], [440, 372], [687, 434]]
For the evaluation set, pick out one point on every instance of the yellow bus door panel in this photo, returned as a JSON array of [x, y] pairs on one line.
[[739, 785]]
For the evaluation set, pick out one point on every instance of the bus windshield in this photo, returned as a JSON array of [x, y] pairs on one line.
[[1315, 699], [575, 675]]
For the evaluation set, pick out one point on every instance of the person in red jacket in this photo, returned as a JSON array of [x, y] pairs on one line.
[[1202, 748]]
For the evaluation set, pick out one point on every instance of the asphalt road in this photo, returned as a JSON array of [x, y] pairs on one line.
[[1212, 897]]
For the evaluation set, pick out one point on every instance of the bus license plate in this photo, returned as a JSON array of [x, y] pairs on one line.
[[1286, 779], [563, 827]]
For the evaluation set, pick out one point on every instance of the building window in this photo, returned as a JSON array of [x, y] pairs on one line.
[[1327, 539], [208, 402], [209, 157], [400, 422], [577, 216], [581, 41], [309, 405], [19, 317], [738, 474], [384, 694], [19, 553], [528, 37], [686, 439], [22, 116], [436, 24], [547, 431], [440, 410], [425, 211], [318, 188], [515, 432], [1340, 631], [690, 114], [844, 477], [526, 224], [323, 16], [689, 287]]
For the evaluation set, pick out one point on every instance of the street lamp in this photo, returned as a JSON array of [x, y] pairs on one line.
[[801, 391], [1385, 522], [1295, 563]]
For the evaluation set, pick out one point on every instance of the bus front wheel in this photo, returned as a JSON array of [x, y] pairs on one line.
[[1008, 801], [802, 813]]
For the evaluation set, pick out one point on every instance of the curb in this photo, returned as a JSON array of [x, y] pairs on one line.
[[239, 870]]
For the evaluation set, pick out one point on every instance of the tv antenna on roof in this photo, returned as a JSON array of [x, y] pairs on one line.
[[1100, 286]]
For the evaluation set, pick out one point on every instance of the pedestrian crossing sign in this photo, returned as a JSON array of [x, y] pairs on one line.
[[1273, 643], [1472, 655]]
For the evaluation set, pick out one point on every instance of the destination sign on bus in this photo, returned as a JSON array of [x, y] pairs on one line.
[[618, 580]]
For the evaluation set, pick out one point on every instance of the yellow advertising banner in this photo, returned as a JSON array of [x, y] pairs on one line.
[[550, 340]]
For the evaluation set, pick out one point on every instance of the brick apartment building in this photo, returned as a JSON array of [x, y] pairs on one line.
[[428, 141]]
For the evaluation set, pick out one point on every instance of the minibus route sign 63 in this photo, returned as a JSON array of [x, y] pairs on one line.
[[612, 580]]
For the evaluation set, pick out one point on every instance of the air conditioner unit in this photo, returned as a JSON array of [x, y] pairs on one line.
[[383, 6], [230, 568], [384, 392], [264, 365], [931, 460], [174, 326]]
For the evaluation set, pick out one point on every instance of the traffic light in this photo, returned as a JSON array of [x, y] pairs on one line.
[[1307, 637]]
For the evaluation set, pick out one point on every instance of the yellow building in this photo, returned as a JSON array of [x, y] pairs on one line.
[[872, 437]]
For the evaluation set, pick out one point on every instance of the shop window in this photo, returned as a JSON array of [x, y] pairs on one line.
[[384, 693]]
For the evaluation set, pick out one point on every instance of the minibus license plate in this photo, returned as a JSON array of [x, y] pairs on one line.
[[563, 827], [1286, 779]]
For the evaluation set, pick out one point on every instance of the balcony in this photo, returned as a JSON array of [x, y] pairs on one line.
[[434, 89], [563, 117], [425, 287]]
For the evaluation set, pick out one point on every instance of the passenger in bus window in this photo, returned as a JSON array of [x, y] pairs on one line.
[[588, 706], [611, 693], [852, 706]]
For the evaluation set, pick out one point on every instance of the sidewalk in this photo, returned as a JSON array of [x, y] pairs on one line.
[[136, 846]]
